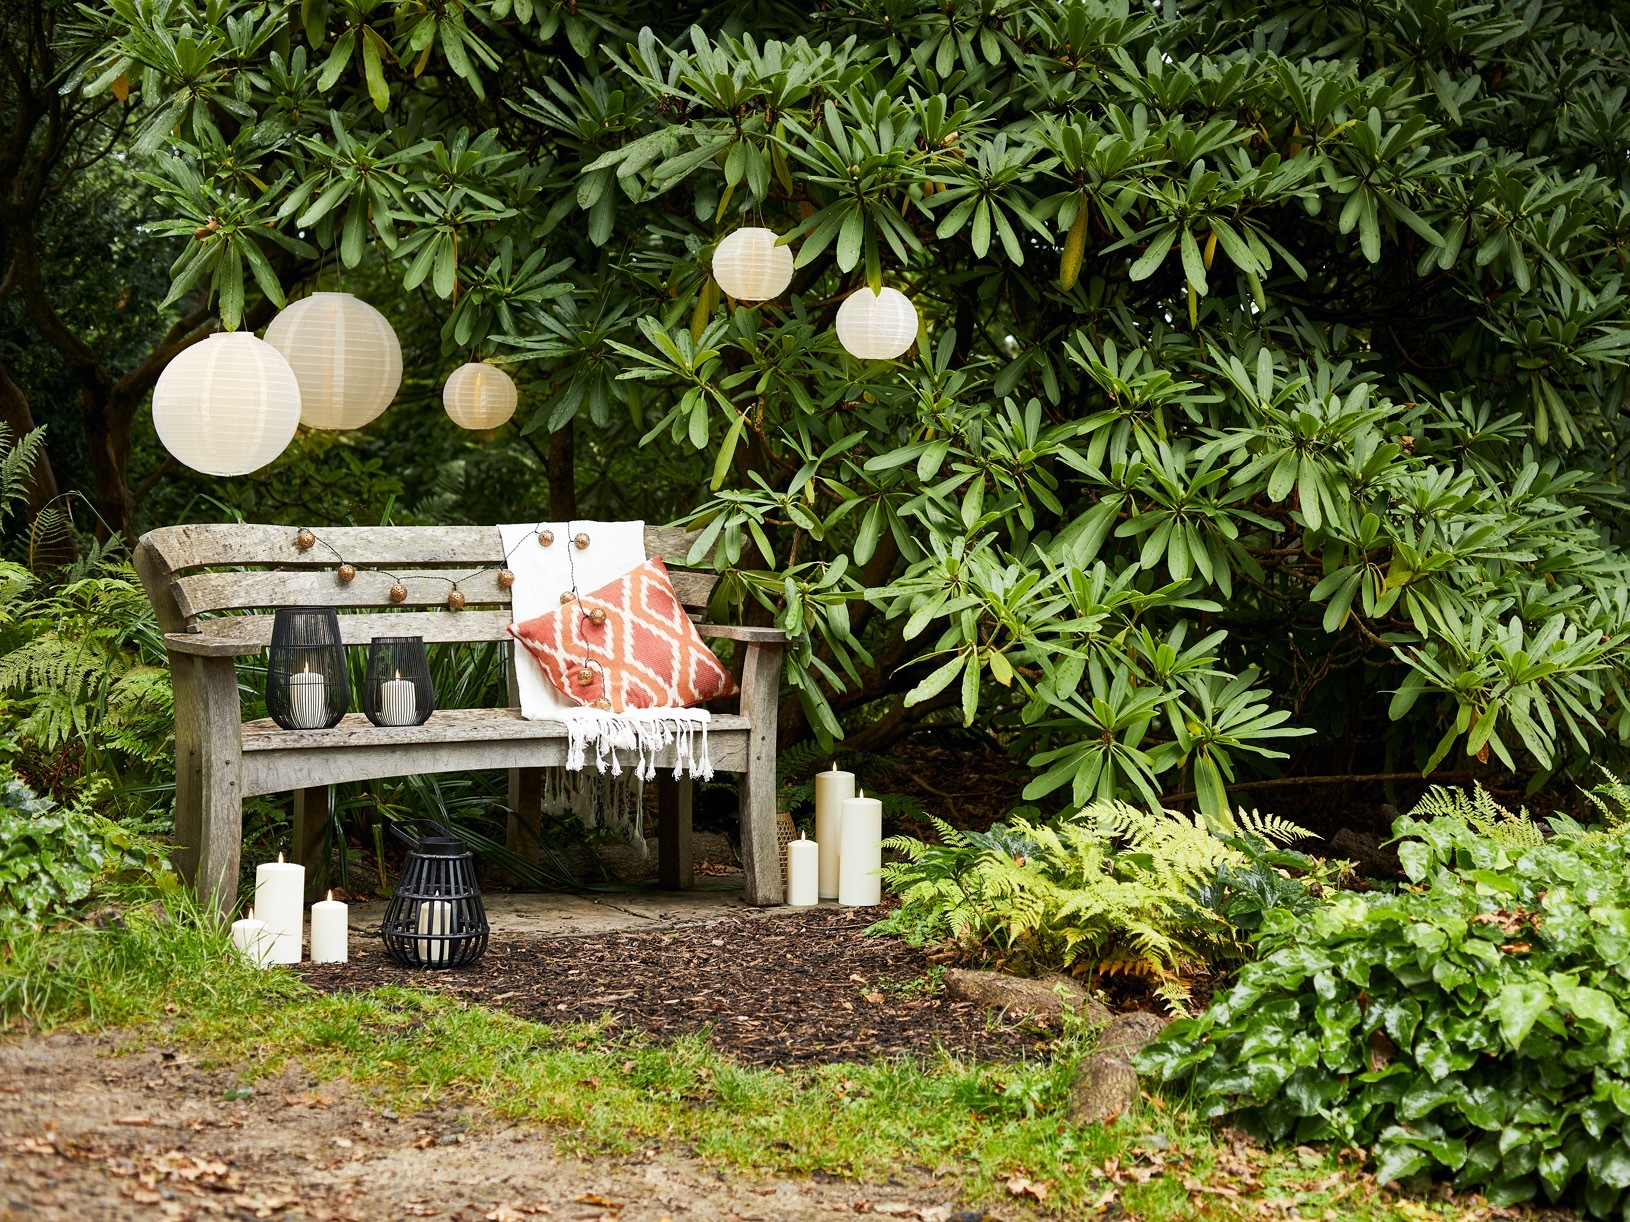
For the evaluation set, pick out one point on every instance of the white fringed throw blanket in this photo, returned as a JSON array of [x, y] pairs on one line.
[[607, 796]]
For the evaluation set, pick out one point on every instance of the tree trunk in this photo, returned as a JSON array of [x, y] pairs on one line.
[[562, 471]]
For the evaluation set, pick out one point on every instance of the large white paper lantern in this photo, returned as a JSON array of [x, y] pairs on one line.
[[228, 405], [876, 326], [749, 266], [345, 356], [479, 396]]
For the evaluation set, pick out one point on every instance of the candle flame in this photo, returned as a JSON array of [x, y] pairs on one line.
[[398, 674], [280, 859], [251, 915], [306, 669], [859, 793], [834, 765], [331, 897]]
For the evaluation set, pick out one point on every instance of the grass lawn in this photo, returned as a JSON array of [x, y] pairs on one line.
[[995, 1132]]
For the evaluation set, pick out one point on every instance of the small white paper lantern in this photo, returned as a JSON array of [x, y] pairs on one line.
[[228, 405], [876, 326], [479, 396], [749, 266], [345, 355]]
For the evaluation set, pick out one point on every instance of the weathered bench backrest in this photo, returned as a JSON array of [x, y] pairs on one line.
[[221, 581]]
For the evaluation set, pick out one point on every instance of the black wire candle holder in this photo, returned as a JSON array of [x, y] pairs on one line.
[[436, 919], [307, 684], [396, 689]]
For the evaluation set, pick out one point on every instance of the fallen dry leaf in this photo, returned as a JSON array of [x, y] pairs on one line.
[[27, 1145], [594, 1198], [306, 1099], [136, 1121], [1023, 1186]]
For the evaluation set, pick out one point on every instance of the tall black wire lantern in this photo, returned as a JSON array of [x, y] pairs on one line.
[[396, 690], [436, 918], [307, 684]]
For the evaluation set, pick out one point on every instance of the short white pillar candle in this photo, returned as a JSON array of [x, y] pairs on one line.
[[803, 873], [308, 699], [860, 857], [435, 916], [280, 898], [398, 702], [330, 933], [832, 789], [249, 936]]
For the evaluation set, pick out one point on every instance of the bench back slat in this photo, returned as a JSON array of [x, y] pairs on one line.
[[254, 568], [180, 548]]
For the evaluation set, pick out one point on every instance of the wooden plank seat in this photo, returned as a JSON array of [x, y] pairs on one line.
[[214, 588]]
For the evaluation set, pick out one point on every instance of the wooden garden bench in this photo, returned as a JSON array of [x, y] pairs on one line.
[[214, 587]]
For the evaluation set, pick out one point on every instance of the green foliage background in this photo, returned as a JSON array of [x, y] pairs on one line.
[[1271, 357]]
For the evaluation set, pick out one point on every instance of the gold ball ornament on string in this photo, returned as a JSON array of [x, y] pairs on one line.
[[228, 405], [506, 578], [566, 596], [581, 540], [305, 540], [876, 326], [345, 356], [455, 599], [479, 396], [749, 266], [585, 677], [398, 592], [597, 616], [347, 573], [546, 538], [603, 705]]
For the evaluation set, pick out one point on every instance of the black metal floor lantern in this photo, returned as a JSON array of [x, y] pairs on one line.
[[307, 684], [397, 691], [436, 918]]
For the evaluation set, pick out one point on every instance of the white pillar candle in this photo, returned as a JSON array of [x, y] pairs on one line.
[[330, 934], [435, 916], [832, 789], [860, 856], [308, 699], [803, 873], [249, 936], [398, 702], [280, 898]]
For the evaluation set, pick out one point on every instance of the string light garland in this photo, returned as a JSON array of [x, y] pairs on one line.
[[346, 572]]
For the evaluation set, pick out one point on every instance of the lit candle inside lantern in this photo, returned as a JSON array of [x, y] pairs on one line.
[[308, 699], [398, 701], [280, 898], [330, 934], [249, 936], [435, 916], [832, 789], [803, 873], [861, 854]]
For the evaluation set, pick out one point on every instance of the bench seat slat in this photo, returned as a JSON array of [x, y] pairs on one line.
[[453, 740], [216, 545]]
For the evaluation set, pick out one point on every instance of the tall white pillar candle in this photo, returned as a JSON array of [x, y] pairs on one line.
[[330, 935], [249, 936], [832, 789], [280, 899], [860, 856], [435, 916], [308, 699], [803, 873], [398, 702]]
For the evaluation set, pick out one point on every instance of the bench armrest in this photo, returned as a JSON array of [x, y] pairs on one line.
[[201, 646], [742, 632]]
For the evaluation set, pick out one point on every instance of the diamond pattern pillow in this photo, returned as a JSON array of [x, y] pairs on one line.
[[645, 654]]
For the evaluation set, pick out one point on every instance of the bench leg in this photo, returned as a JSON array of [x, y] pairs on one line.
[[525, 813], [760, 702], [208, 778], [309, 847], [675, 863]]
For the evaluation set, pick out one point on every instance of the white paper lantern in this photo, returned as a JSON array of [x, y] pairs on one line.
[[749, 266], [345, 356], [228, 405], [479, 396], [876, 326]]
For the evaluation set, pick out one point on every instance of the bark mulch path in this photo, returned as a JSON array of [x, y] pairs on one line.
[[770, 991]]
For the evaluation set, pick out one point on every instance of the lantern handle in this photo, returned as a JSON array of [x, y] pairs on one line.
[[412, 842]]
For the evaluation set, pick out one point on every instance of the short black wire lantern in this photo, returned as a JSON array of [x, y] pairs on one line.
[[307, 684], [396, 690], [435, 918]]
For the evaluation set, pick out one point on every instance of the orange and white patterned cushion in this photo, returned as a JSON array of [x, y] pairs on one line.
[[645, 655]]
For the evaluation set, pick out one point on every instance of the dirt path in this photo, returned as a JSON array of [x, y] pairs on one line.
[[88, 1132]]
